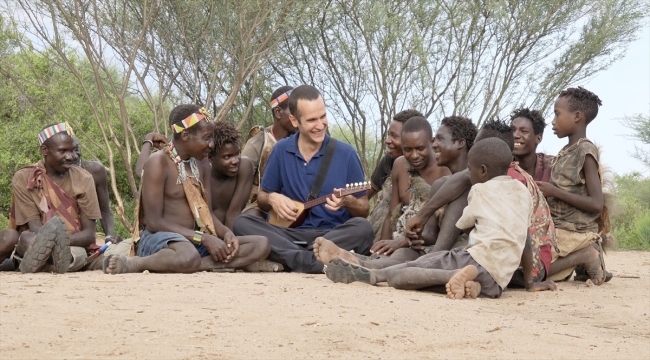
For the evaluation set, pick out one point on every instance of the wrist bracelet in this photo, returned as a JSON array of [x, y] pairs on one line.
[[197, 237], [148, 141]]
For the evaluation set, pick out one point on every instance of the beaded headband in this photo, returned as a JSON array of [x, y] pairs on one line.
[[280, 99], [50, 131], [190, 121]]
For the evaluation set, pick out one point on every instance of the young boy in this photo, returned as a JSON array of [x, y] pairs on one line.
[[232, 175], [380, 179], [574, 192], [498, 214]]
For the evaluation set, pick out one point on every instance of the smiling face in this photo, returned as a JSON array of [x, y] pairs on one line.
[[58, 152], [565, 120], [417, 149], [226, 160], [313, 120], [200, 141], [393, 139], [525, 139], [445, 148]]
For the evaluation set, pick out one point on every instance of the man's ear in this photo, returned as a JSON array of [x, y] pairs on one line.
[[294, 121], [461, 143], [185, 135], [43, 150], [538, 138], [433, 140]]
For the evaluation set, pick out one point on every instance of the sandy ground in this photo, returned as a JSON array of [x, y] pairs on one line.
[[242, 315]]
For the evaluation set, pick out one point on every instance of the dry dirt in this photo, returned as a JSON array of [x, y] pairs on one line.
[[273, 316]]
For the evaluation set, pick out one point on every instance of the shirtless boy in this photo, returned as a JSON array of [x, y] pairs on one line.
[[232, 174], [497, 217], [181, 234]]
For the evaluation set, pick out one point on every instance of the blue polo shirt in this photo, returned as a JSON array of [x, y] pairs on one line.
[[289, 174]]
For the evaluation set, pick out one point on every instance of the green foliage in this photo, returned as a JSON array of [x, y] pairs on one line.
[[640, 124], [631, 220], [4, 222]]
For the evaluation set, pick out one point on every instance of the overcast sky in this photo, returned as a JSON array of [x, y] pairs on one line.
[[625, 90]]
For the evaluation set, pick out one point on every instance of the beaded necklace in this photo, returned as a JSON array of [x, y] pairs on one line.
[[180, 164]]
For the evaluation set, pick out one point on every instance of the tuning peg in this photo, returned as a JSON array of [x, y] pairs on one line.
[[347, 186]]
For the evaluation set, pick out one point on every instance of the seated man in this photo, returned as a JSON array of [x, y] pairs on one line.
[[261, 141], [574, 193], [54, 206], [380, 180], [452, 143], [498, 214], [292, 169], [181, 234], [98, 171]]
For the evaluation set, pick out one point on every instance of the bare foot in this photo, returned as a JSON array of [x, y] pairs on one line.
[[325, 251], [117, 264], [472, 289], [594, 267], [456, 285]]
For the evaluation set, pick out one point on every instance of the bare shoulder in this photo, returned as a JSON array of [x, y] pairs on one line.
[[95, 168], [400, 165], [157, 163], [245, 160]]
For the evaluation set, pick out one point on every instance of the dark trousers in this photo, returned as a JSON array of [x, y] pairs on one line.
[[355, 234]]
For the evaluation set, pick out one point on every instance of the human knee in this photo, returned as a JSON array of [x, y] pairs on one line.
[[242, 224], [363, 227], [8, 240], [261, 247], [188, 260]]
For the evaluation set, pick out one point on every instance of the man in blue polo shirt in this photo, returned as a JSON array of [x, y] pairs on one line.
[[291, 170]]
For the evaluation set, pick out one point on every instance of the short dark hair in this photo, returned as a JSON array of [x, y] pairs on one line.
[[461, 128], [179, 113], [535, 117], [279, 91], [493, 153], [583, 100], [302, 92], [417, 124], [224, 133], [498, 129], [404, 115]]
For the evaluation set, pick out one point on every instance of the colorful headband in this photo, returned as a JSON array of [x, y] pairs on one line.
[[187, 123], [50, 131], [280, 99]]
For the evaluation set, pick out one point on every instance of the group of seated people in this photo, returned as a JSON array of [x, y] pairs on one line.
[[465, 212]]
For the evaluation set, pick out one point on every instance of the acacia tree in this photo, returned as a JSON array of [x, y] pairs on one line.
[[471, 58], [213, 50], [640, 124]]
